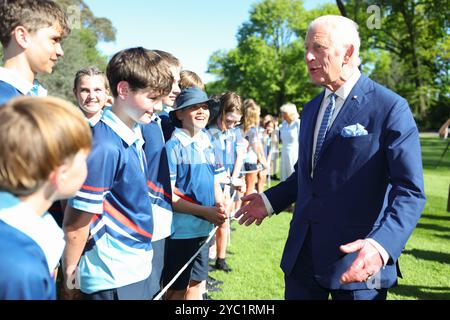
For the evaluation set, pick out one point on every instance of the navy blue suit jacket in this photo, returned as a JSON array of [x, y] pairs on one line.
[[367, 186]]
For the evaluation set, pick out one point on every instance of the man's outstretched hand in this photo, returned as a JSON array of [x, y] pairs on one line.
[[254, 210]]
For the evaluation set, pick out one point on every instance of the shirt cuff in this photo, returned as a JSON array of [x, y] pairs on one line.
[[267, 204], [381, 250]]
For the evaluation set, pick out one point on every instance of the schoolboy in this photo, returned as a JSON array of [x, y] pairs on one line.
[[196, 196], [30, 33], [158, 175], [113, 207], [32, 176]]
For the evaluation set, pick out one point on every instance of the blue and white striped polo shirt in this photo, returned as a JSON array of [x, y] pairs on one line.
[[119, 251], [192, 168]]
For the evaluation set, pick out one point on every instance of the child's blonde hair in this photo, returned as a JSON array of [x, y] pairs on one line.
[[251, 114], [189, 79], [31, 14], [38, 135]]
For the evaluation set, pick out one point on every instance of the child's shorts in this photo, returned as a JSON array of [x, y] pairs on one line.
[[179, 251], [250, 166]]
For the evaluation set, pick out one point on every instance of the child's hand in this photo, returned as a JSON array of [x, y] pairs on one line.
[[222, 209], [215, 215]]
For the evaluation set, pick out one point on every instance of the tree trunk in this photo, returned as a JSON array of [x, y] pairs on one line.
[[412, 35], [341, 7]]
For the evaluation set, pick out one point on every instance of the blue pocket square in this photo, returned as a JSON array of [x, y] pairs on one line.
[[355, 130]]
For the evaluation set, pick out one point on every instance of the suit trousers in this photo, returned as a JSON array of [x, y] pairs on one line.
[[302, 285]]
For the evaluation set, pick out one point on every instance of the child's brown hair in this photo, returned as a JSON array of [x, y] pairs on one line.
[[31, 14], [142, 69], [38, 135], [190, 79]]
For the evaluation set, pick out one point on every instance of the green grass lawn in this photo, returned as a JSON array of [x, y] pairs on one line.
[[425, 263]]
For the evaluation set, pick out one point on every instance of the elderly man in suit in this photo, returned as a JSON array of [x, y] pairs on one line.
[[358, 182]]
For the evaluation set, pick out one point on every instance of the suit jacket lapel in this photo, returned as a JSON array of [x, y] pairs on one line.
[[350, 109], [309, 120]]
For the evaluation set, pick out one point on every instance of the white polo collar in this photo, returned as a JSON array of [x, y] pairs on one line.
[[201, 139], [24, 86], [130, 136]]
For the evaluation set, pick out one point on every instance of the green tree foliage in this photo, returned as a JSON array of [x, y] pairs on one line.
[[268, 63], [412, 45], [79, 48]]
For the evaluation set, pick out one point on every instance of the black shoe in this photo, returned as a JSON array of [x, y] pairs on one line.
[[221, 264], [211, 288], [214, 282], [206, 296]]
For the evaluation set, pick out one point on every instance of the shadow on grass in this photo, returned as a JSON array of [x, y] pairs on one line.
[[429, 255], [434, 227], [435, 217], [443, 236], [421, 292]]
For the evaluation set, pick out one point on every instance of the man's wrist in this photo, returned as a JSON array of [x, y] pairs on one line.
[[267, 204]]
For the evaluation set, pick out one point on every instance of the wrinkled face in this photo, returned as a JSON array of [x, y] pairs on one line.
[[169, 100], [325, 59], [139, 105], [231, 120], [44, 49], [194, 118], [91, 94]]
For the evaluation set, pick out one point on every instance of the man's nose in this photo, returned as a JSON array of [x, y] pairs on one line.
[[309, 56]]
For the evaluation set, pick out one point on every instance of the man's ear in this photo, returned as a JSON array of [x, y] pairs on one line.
[[123, 89], [349, 53], [21, 36]]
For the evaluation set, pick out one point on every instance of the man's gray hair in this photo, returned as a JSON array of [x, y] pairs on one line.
[[345, 32]]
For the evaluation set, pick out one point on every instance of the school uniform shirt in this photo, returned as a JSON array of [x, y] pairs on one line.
[[253, 138], [225, 145], [166, 124], [193, 169], [30, 249], [119, 250], [12, 85], [158, 179]]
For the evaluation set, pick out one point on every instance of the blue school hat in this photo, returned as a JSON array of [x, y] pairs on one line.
[[187, 98]]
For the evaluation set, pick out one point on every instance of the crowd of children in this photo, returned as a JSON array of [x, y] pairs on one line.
[[143, 171]]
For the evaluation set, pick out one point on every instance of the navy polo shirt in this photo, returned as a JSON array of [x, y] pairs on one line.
[[160, 191]]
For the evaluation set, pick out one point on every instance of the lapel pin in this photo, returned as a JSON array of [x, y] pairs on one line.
[[354, 97]]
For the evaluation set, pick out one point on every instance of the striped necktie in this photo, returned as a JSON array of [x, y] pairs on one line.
[[324, 126]]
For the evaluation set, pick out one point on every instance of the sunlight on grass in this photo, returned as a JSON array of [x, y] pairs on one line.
[[425, 262]]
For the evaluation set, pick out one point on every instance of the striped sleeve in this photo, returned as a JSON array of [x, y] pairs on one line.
[[172, 159], [102, 164]]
